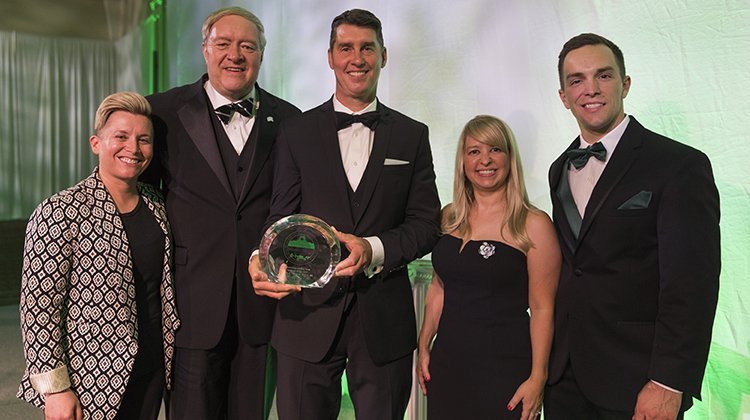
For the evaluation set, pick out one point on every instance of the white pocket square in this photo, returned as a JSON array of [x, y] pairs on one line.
[[389, 161]]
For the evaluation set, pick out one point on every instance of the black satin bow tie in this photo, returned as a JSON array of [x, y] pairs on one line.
[[579, 157], [244, 107], [370, 119]]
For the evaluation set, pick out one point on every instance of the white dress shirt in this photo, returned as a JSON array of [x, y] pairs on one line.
[[355, 144], [582, 181], [239, 127]]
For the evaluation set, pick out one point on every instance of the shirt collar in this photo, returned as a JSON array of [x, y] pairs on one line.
[[339, 107], [217, 99], [611, 139]]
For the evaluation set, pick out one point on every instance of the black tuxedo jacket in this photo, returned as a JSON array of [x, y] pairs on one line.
[[638, 288], [396, 200], [214, 232]]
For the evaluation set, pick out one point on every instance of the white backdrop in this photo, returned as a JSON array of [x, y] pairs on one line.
[[450, 60]]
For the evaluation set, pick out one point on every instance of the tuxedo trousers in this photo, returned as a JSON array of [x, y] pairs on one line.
[[232, 380], [308, 390], [143, 396]]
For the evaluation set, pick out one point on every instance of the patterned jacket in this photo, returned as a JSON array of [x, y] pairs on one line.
[[78, 307]]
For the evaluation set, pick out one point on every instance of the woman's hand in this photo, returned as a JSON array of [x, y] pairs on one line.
[[433, 308], [422, 369], [62, 406], [530, 394]]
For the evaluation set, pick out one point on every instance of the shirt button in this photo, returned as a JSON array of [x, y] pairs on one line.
[[355, 204]]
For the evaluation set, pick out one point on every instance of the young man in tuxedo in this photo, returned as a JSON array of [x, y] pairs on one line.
[[367, 170], [637, 215], [213, 143]]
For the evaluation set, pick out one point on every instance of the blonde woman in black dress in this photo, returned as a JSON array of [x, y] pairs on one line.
[[498, 259]]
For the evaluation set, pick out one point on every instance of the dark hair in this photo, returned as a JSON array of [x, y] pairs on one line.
[[582, 40], [357, 17]]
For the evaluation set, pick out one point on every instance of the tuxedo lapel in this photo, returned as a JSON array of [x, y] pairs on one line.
[[383, 134], [622, 159], [568, 202], [197, 123], [266, 122], [558, 185], [331, 166]]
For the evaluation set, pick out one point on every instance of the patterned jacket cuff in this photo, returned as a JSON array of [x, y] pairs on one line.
[[55, 380]]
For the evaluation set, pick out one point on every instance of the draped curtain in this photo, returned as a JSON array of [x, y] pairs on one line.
[[50, 89]]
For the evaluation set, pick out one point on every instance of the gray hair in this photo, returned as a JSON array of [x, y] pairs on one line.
[[230, 11]]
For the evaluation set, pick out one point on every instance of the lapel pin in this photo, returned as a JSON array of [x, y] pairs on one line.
[[269, 119]]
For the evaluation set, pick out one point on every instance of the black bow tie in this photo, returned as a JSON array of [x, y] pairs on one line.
[[244, 107], [370, 119], [579, 157]]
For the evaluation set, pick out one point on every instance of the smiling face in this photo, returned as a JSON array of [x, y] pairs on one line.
[[233, 55], [486, 166], [593, 90], [124, 146], [356, 58]]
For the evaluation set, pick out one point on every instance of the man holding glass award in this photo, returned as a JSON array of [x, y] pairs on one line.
[[366, 169]]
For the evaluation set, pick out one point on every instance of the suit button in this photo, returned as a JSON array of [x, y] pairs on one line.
[[355, 204], [239, 217], [578, 272], [240, 169]]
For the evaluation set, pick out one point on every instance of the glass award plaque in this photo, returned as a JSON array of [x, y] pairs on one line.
[[308, 247]]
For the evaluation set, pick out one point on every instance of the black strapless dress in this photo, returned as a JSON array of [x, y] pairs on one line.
[[482, 352]]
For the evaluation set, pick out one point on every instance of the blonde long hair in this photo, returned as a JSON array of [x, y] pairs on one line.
[[494, 132]]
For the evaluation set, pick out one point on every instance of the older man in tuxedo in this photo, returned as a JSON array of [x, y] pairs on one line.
[[637, 215], [365, 169], [213, 143]]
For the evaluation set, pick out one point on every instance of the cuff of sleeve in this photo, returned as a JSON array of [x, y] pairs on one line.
[[666, 387], [55, 380], [378, 256]]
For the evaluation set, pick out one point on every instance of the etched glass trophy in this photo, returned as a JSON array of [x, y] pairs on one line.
[[308, 247]]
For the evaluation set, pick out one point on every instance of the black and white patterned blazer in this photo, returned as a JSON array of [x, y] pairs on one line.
[[78, 307]]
